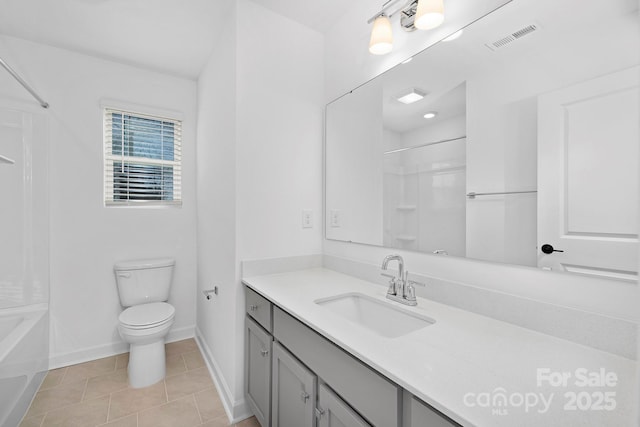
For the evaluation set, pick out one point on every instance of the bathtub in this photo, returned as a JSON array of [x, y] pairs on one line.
[[24, 348]]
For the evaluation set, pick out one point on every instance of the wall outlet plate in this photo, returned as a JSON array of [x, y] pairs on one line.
[[335, 218], [307, 218]]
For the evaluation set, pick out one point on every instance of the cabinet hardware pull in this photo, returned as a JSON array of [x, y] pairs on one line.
[[319, 412], [264, 353], [304, 396], [253, 307]]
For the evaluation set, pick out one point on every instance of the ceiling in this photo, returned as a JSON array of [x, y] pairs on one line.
[[318, 15], [172, 36]]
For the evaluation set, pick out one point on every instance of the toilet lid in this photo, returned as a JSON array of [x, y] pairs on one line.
[[147, 314]]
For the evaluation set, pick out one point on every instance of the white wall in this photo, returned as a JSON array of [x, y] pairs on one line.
[[280, 108], [216, 225], [353, 66], [260, 102], [87, 238]]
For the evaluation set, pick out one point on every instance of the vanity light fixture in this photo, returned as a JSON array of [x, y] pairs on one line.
[[381, 41], [429, 15], [413, 95], [420, 14], [430, 115]]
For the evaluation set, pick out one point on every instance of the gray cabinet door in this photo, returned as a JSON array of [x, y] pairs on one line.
[[334, 412], [258, 371], [293, 391], [423, 415]]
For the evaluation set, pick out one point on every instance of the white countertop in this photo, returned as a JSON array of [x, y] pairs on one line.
[[463, 359]]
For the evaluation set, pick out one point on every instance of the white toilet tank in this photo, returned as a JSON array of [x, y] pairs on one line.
[[144, 281]]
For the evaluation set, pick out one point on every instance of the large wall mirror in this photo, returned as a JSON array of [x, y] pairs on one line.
[[520, 145]]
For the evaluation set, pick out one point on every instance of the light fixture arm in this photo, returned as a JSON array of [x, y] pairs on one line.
[[388, 5]]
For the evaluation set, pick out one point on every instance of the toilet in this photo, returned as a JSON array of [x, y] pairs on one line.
[[143, 286]]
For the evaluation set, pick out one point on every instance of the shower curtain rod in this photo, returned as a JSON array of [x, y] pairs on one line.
[[15, 75]]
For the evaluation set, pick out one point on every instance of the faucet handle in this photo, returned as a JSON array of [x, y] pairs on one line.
[[392, 283], [414, 283]]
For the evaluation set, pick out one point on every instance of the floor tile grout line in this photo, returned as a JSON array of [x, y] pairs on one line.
[[198, 408], [86, 385], [109, 408], [64, 375], [166, 392], [195, 402]]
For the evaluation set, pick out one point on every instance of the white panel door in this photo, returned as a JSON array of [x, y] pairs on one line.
[[588, 177]]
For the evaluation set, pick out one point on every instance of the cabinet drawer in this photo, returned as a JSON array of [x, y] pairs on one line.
[[376, 398], [259, 308]]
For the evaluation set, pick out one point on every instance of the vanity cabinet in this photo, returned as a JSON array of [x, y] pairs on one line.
[[258, 346], [295, 377], [293, 391], [334, 412], [373, 396]]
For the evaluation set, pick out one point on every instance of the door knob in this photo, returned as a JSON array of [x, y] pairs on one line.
[[548, 249]]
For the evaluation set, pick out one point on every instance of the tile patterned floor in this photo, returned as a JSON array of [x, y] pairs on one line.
[[96, 393]]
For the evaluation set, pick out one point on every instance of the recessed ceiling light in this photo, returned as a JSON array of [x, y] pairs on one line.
[[406, 61], [411, 96], [453, 36], [430, 115]]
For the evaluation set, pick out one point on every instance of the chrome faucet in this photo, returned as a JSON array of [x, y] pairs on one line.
[[400, 289]]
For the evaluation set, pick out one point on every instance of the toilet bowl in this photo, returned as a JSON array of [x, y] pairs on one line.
[[144, 328], [143, 287]]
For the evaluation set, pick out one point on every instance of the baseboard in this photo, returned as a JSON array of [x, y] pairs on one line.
[[106, 350], [237, 410], [180, 334]]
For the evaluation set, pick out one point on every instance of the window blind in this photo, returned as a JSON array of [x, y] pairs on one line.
[[143, 159]]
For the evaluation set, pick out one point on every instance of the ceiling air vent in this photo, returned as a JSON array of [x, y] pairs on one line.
[[507, 40]]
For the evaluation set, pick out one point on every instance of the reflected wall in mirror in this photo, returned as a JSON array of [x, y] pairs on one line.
[[532, 140]]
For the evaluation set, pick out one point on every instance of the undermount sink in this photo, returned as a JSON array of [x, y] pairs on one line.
[[380, 317]]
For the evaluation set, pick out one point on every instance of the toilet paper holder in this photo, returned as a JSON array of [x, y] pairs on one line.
[[208, 292]]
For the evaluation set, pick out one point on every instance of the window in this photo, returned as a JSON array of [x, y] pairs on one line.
[[142, 159]]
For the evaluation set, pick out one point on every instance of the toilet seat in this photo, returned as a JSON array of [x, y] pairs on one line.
[[146, 316]]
